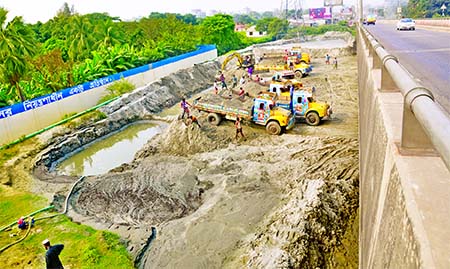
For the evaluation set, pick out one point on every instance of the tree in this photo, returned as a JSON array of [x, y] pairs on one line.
[[219, 30], [79, 37], [244, 19], [278, 27], [65, 11], [424, 8], [273, 26], [17, 45]]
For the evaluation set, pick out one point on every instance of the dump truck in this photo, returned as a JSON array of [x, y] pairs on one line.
[[301, 102], [300, 70], [261, 111], [297, 56]]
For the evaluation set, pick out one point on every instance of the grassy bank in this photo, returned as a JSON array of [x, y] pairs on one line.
[[84, 246]]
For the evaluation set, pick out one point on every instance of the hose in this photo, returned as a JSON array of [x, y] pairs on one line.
[[58, 123], [66, 208], [13, 243], [29, 215]]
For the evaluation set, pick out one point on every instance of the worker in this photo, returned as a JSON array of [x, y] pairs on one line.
[[21, 223], [52, 255], [250, 73], [185, 107], [241, 94], [242, 80], [216, 88], [234, 80], [327, 59], [238, 126], [194, 120]]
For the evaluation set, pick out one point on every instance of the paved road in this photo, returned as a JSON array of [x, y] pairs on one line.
[[424, 53]]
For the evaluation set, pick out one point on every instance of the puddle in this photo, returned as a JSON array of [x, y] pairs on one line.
[[100, 157]]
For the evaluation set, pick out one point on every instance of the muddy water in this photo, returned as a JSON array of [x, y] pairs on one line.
[[110, 152]]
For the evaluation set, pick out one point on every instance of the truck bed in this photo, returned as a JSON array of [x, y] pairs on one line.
[[225, 106]]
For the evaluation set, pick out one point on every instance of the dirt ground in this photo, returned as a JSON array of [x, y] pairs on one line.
[[266, 201]]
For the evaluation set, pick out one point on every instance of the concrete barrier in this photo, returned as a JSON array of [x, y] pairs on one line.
[[404, 197], [32, 115]]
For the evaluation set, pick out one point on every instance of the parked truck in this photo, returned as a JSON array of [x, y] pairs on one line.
[[300, 70], [261, 111], [301, 102]]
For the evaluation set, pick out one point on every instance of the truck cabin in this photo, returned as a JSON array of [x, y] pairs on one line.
[[280, 76], [285, 88], [303, 97]]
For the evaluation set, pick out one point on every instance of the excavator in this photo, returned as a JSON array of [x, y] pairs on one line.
[[244, 60]]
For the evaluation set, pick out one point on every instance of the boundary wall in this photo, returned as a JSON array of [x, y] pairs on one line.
[[404, 192], [24, 118]]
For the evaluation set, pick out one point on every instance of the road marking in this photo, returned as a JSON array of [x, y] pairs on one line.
[[425, 50]]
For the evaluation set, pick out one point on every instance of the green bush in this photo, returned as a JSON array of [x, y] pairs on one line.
[[117, 89], [320, 30]]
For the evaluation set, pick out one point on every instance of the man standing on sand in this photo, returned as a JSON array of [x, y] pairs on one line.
[[235, 80], [335, 63], [238, 126], [327, 59], [185, 107], [52, 255]]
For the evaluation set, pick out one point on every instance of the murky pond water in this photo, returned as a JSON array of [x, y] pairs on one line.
[[100, 157]]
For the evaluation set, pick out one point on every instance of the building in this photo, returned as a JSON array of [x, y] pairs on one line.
[[252, 32]]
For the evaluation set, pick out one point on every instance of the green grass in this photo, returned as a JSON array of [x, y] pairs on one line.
[[84, 247], [117, 88]]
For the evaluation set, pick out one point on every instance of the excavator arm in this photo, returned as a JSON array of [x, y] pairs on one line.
[[230, 57]]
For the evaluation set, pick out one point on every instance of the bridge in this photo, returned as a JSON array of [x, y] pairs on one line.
[[404, 93]]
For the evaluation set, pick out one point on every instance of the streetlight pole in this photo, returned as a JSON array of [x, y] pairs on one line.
[[360, 11]]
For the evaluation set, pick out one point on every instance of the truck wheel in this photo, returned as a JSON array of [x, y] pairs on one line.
[[273, 128], [214, 119], [298, 74], [312, 118], [302, 62]]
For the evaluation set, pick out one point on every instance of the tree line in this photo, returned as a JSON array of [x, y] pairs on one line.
[[70, 49], [426, 8]]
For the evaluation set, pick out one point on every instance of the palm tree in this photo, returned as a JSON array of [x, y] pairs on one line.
[[80, 37], [17, 45], [108, 33]]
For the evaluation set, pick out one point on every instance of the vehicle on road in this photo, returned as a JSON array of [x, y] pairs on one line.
[[262, 112], [406, 24], [300, 101], [370, 19]]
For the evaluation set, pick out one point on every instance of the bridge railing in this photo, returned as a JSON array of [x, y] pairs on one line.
[[425, 127]]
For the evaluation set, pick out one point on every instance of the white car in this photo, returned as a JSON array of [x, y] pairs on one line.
[[406, 24]]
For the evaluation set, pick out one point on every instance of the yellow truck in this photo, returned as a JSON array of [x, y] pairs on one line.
[[292, 96], [300, 70], [297, 56], [262, 112]]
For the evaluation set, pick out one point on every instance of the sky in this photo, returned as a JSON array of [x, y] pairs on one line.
[[43, 10]]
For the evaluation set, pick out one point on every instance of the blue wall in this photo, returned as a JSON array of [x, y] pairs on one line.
[[50, 98]]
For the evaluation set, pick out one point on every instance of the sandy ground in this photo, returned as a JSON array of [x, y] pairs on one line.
[[250, 178], [261, 202]]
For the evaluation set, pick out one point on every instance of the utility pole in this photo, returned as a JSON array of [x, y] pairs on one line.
[[287, 7], [360, 11]]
